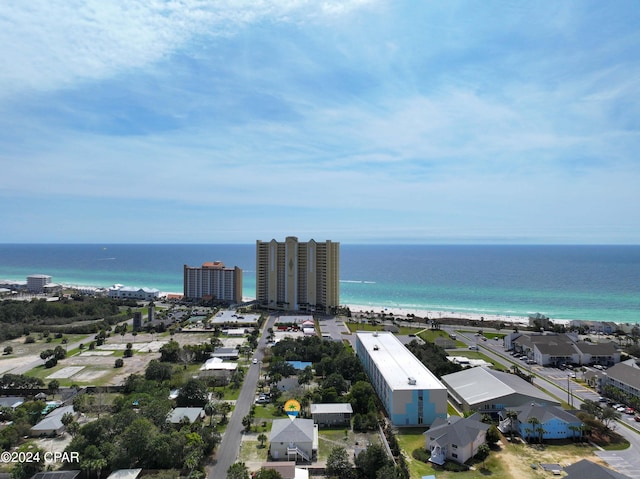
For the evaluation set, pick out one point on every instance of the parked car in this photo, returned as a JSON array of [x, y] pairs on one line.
[[637, 418]]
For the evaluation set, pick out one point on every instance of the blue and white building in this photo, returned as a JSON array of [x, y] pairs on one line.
[[411, 394]]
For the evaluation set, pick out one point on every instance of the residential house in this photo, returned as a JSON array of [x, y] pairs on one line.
[[217, 368], [11, 401], [125, 474], [332, 414], [179, 414], [555, 422], [52, 425], [455, 438], [293, 439], [287, 469], [71, 474], [585, 469]]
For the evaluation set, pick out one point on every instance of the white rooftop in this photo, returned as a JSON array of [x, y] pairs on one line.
[[396, 363], [482, 385], [218, 364]]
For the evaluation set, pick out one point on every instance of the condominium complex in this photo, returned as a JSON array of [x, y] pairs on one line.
[[36, 283], [411, 394], [298, 276], [213, 281]]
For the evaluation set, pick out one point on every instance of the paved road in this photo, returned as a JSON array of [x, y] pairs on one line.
[[555, 382], [229, 447]]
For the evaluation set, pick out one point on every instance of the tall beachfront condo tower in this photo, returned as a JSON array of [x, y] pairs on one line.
[[37, 282], [298, 276], [411, 394], [213, 281]]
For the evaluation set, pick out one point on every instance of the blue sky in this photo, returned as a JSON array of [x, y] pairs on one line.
[[360, 121]]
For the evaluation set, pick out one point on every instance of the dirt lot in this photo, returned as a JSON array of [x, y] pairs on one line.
[[518, 458]]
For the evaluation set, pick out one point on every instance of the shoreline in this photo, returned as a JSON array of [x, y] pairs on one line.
[[508, 319], [421, 313]]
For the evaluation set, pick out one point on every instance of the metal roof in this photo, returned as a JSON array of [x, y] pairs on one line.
[[481, 385], [399, 367]]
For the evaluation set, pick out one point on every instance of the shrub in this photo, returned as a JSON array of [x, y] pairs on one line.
[[421, 455]]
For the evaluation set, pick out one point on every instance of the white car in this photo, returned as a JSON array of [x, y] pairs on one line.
[[255, 361]]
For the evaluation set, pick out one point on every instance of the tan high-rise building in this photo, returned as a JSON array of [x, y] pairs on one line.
[[298, 276], [213, 281]]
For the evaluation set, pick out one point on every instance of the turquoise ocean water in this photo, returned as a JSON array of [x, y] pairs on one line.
[[564, 282]]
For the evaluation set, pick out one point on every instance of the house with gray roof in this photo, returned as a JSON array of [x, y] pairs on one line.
[[72, 474], [585, 469], [11, 401], [332, 414], [293, 439], [554, 421], [52, 425], [488, 391], [192, 414], [455, 438]]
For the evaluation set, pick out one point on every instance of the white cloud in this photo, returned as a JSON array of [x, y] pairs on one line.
[[50, 44]]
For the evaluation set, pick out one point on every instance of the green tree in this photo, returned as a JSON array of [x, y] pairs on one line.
[[193, 451], [193, 394], [136, 440], [338, 464], [158, 371], [609, 415], [493, 435], [170, 352], [238, 470], [118, 363], [262, 438], [483, 453], [306, 376], [533, 422], [265, 473], [373, 458], [25, 470], [362, 397], [513, 419], [53, 386]]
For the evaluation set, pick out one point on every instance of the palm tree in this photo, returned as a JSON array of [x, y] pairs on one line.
[[513, 417], [534, 422], [210, 409], [262, 438], [576, 430]]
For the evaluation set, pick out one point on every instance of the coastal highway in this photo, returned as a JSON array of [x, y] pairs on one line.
[[556, 382], [229, 447]]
